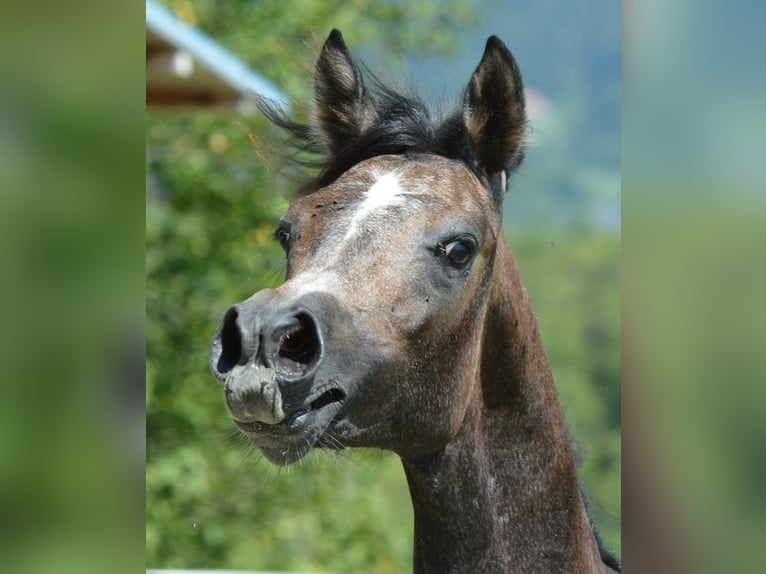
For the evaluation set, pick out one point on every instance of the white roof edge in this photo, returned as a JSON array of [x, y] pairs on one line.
[[219, 61]]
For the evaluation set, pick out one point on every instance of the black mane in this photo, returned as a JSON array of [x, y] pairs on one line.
[[404, 126]]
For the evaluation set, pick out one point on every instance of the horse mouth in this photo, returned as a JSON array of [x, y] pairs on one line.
[[301, 430], [326, 398]]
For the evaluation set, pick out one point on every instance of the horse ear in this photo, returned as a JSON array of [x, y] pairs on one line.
[[342, 107], [494, 114]]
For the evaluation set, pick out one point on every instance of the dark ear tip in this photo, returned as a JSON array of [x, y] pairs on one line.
[[335, 40], [494, 42], [496, 46]]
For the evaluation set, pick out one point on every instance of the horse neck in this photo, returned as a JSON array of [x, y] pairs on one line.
[[503, 495]]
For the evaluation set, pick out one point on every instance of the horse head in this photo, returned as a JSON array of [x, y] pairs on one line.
[[374, 338]]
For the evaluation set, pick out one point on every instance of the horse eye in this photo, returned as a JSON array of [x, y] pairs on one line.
[[283, 236], [458, 252]]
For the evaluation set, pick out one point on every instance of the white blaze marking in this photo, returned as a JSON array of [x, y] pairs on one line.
[[385, 192], [311, 282]]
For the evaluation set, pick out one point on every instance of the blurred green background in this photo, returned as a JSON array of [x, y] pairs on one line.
[[213, 201]]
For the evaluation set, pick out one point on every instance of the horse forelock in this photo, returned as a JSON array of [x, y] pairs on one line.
[[405, 127]]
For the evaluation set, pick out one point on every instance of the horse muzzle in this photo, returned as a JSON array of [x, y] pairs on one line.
[[267, 354]]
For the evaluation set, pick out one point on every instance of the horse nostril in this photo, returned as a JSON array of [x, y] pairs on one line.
[[299, 348], [231, 342], [301, 344]]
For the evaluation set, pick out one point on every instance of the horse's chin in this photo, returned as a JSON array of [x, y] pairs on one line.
[[285, 456], [292, 439]]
